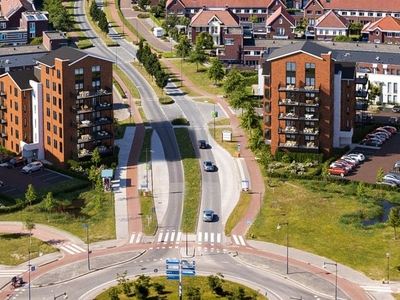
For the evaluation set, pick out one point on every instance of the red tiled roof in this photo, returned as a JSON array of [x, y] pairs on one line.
[[219, 3], [7, 7], [272, 3], [363, 5], [331, 20], [387, 23], [280, 12], [224, 15]]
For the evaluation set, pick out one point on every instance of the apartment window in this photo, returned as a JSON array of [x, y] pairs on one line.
[[353, 13], [389, 98], [310, 74], [326, 32], [370, 14], [58, 74], [61, 147], [17, 134], [54, 115], [280, 21], [59, 103], [229, 41], [267, 134], [334, 32], [395, 88], [47, 70], [59, 88], [79, 79], [55, 144], [17, 148], [48, 126], [267, 93], [321, 31], [309, 138], [267, 120], [54, 86], [280, 31], [48, 112], [48, 140], [60, 118], [15, 92], [10, 103], [3, 25], [16, 120], [348, 124], [347, 110], [54, 100], [344, 13], [395, 98], [16, 106], [340, 32], [309, 12], [290, 73], [389, 87], [397, 35], [55, 129], [60, 132], [318, 12], [25, 122], [48, 98], [95, 71], [96, 84], [379, 14], [389, 34], [268, 107]]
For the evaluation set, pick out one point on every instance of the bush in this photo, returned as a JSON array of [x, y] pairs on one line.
[[166, 100], [180, 121]]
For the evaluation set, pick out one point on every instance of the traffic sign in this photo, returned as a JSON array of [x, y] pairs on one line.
[[188, 265], [172, 267], [188, 273], [173, 277], [172, 272], [172, 261]]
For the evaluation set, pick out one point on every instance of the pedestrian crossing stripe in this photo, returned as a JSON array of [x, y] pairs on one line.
[[138, 237], [11, 273], [382, 289], [239, 240], [72, 249]]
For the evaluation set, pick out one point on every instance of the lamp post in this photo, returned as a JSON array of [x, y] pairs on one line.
[[287, 243], [388, 258], [30, 268], [151, 171], [181, 70], [63, 294], [260, 201], [333, 264], [86, 225]]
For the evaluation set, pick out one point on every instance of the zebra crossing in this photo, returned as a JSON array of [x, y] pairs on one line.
[[135, 238], [11, 273], [72, 249], [165, 237], [209, 237], [238, 240]]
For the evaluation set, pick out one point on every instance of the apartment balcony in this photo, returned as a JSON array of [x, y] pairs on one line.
[[100, 135], [309, 117], [311, 146], [3, 121], [288, 116], [85, 138], [310, 131], [82, 109], [361, 80], [308, 102], [103, 106], [361, 93], [288, 130], [92, 93], [299, 89], [84, 153], [103, 121], [3, 134], [85, 124], [3, 107]]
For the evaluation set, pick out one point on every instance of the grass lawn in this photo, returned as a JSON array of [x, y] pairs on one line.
[[170, 292]]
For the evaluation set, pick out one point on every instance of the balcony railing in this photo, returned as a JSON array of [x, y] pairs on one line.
[[103, 151], [3, 134], [288, 130], [295, 145], [288, 116], [104, 120], [308, 102], [3, 121], [103, 135], [91, 93], [302, 88], [3, 106], [82, 109]]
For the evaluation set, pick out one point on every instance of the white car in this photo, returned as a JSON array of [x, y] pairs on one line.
[[359, 156], [32, 167], [392, 177], [353, 160], [339, 164]]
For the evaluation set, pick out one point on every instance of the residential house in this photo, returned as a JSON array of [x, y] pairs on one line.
[[330, 25], [384, 30], [280, 25]]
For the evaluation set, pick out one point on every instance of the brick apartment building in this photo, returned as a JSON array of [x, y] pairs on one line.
[[309, 99], [60, 110]]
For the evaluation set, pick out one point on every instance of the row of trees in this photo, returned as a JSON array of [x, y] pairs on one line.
[[99, 16], [59, 18], [152, 65]]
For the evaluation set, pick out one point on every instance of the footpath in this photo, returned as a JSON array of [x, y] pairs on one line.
[[304, 268]]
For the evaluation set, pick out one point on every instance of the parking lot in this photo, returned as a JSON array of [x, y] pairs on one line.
[[376, 158], [16, 183]]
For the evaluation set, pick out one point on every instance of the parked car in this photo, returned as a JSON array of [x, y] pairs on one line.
[[1, 183], [397, 164], [380, 130], [341, 165], [32, 167], [208, 215], [359, 156], [382, 134], [349, 159], [208, 166], [338, 171], [347, 162], [5, 158], [392, 177], [384, 130], [16, 162], [371, 142], [374, 136], [202, 144], [388, 182], [391, 129], [396, 109]]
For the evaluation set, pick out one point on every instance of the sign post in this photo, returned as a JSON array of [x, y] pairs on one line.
[[175, 269]]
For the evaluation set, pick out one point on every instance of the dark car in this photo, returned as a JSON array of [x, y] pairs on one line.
[[5, 158], [202, 144], [1, 183], [396, 109], [16, 162]]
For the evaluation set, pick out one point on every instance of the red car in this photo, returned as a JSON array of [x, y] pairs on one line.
[[337, 171], [391, 129]]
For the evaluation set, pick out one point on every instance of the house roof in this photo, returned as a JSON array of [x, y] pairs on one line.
[[9, 7], [280, 12], [225, 16], [387, 23], [64, 53], [331, 20], [272, 3], [362, 5], [219, 3], [303, 47], [22, 78]]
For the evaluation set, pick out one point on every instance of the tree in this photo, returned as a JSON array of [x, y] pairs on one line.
[[103, 23], [193, 293], [254, 19], [162, 79], [95, 157], [113, 293], [249, 119], [216, 71], [93, 175], [141, 286], [59, 17], [379, 176], [143, 3], [215, 284], [355, 28], [49, 204], [198, 56], [233, 81], [29, 225], [238, 98], [375, 90], [302, 26], [204, 41], [30, 194], [360, 189], [159, 288], [183, 47], [394, 219], [239, 294]]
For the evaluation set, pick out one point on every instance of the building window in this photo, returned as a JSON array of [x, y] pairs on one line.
[[55, 144], [48, 140], [55, 129], [321, 31], [58, 74], [54, 115], [17, 134], [48, 126], [15, 92], [389, 34], [395, 88], [60, 132], [54, 86], [3, 25], [397, 35], [229, 41], [310, 74], [309, 12], [54, 100], [344, 13], [79, 79], [267, 134], [48, 98], [48, 112], [318, 12], [16, 106], [267, 93], [280, 31], [59, 103], [47, 70], [334, 32], [59, 88], [280, 21], [268, 107], [60, 118], [17, 148], [389, 87], [290, 73], [267, 120]]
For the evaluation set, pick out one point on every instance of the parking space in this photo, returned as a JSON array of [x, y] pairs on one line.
[[16, 183], [383, 157]]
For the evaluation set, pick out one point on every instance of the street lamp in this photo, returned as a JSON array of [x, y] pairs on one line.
[[151, 172], [31, 268], [332, 264], [287, 243], [63, 294], [388, 257], [260, 201], [86, 225]]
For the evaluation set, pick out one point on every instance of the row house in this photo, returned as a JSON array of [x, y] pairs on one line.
[[385, 30], [11, 12], [309, 103], [329, 26], [60, 110]]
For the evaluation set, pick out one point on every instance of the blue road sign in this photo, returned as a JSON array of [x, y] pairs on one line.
[[172, 261], [173, 277], [172, 272], [188, 273], [172, 267], [189, 265]]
